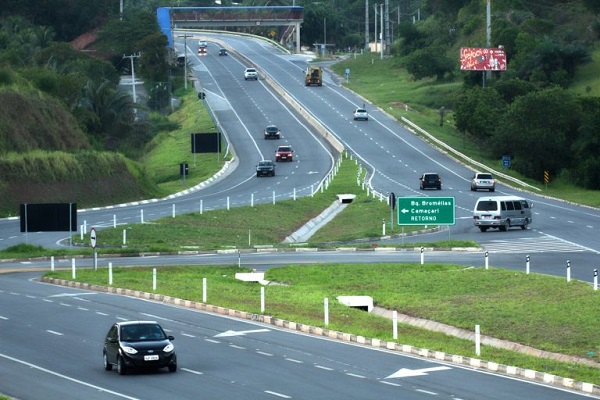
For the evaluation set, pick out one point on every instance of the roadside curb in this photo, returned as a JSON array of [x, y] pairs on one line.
[[523, 373]]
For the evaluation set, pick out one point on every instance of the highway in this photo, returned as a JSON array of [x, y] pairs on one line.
[[52, 335]]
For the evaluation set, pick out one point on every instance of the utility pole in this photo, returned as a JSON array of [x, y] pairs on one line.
[[387, 27], [381, 27], [375, 19], [488, 32], [131, 57], [185, 79], [367, 47]]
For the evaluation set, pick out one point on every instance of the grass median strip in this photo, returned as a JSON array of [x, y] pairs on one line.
[[540, 311]]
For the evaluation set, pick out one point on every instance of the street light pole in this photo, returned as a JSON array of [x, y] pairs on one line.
[[185, 60]]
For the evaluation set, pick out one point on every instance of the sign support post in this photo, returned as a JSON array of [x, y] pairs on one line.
[[93, 244]]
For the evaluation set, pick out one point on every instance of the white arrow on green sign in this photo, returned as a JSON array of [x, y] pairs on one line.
[[425, 211]]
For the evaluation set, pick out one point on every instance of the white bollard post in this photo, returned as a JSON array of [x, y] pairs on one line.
[[262, 299], [487, 263], [201, 206], [110, 274], [142, 216], [204, 290], [252, 200], [249, 237], [568, 270], [73, 273], [124, 237], [239, 259], [527, 265], [81, 232], [326, 307], [477, 340], [114, 220], [52, 263], [154, 279], [227, 203], [173, 212], [595, 279], [383, 226], [273, 197], [395, 326]]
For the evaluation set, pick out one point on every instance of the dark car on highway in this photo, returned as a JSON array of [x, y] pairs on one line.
[[265, 168], [430, 180], [272, 132], [138, 344]]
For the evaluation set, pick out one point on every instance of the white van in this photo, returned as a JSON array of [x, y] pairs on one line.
[[502, 212]]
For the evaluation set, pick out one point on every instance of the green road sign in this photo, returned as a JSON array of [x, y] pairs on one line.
[[425, 211]]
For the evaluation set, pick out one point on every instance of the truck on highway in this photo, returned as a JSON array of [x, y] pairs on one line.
[[314, 76]]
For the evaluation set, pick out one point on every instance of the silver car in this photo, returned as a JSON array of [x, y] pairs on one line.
[[483, 180], [361, 113]]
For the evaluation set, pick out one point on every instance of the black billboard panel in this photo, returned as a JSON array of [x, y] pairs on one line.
[[51, 217], [206, 142]]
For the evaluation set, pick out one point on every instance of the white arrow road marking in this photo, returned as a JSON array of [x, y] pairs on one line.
[[406, 373], [239, 333]]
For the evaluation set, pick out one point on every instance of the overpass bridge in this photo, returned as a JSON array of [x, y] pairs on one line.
[[170, 18]]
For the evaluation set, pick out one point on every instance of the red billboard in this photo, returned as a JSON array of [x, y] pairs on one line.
[[482, 59]]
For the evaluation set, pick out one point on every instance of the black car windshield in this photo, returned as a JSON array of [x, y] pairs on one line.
[[272, 129], [484, 176], [136, 333]]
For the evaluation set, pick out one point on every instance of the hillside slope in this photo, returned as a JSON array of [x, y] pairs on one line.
[[46, 158]]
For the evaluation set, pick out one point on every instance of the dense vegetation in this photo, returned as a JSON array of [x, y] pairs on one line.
[[60, 63]]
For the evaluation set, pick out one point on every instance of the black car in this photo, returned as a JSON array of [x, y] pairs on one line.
[[430, 180], [222, 52], [265, 168], [142, 344], [272, 132]]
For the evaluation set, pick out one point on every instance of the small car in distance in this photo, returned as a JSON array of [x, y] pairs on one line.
[[361, 114], [284, 153], [483, 180], [272, 132], [265, 168], [430, 180], [222, 52], [138, 344], [202, 50], [250, 73]]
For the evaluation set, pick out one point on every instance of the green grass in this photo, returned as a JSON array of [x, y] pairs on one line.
[[495, 299], [587, 79], [168, 149]]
